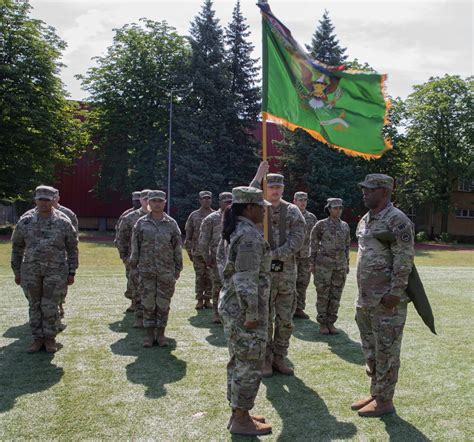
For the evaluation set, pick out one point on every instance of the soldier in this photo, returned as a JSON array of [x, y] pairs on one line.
[[243, 306], [330, 243], [209, 236], [382, 277], [135, 205], [286, 234], [44, 260], [124, 241], [193, 224], [156, 254], [303, 273]]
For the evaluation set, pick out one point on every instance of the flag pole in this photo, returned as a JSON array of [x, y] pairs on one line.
[[264, 184]]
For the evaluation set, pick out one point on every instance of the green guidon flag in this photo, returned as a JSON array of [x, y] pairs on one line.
[[345, 109]]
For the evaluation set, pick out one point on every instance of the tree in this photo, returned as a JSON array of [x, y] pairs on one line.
[[325, 45], [39, 128], [439, 140], [129, 118]]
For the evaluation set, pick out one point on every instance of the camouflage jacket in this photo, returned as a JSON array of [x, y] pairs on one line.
[[210, 235], [192, 227], [124, 237], [311, 220], [156, 246], [71, 215], [295, 230], [329, 243], [50, 242], [117, 224], [221, 257], [245, 292], [384, 269]]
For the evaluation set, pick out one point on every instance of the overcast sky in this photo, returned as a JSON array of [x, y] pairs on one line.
[[410, 41]]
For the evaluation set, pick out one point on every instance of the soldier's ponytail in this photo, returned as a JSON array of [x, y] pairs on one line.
[[229, 220]]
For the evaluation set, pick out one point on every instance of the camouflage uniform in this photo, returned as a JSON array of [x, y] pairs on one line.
[[283, 284], [330, 243], [245, 297], [156, 253], [44, 252], [383, 270], [221, 258], [203, 286], [303, 261], [135, 197]]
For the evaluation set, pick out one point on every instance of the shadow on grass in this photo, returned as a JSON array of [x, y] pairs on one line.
[[153, 367], [400, 430], [22, 373], [203, 319], [341, 345], [303, 412]]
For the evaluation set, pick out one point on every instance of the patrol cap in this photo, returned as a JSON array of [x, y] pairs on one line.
[[144, 193], [225, 196], [205, 193], [56, 192], [248, 195], [136, 195], [334, 202], [275, 179], [300, 196], [156, 195], [46, 192], [376, 180]]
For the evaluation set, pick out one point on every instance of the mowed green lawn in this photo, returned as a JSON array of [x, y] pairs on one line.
[[104, 385]]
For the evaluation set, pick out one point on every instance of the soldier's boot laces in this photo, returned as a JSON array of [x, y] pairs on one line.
[[377, 408], [200, 304], [280, 365], [323, 329], [50, 345], [256, 417], [138, 323], [300, 313], [149, 338], [333, 330], [207, 303], [267, 369], [36, 346], [244, 425], [216, 319], [160, 337], [361, 403]]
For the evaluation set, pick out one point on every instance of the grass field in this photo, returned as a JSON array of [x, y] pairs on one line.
[[104, 385]]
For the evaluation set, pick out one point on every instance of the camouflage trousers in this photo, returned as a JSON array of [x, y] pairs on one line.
[[381, 332], [203, 286], [281, 311], [303, 276], [247, 355], [137, 291], [329, 284], [158, 289], [216, 286], [130, 291], [43, 288]]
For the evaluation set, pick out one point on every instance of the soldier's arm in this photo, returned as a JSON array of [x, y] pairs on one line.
[[221, 257], [315, 237], [295, 238], [205, 235], [75, 222], [177, 249], [348, 243], [246, 277], [71, 248], [188, 240], [262, 170], [124, 237], [18, 249], [135, 247]]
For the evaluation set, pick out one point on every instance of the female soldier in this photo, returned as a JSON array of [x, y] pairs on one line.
[[156, 252], [243, 306], [330, 241]]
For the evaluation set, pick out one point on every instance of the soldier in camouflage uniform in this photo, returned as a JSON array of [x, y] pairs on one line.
[[156, 254], [303, 261], [382, 277], [124, 245], [330, 243], [203, 284], [135, 205], [209, 237], [243, 306], [44, 260], [286, 234]]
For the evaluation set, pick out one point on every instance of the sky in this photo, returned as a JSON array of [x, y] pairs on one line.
[[410, 41]]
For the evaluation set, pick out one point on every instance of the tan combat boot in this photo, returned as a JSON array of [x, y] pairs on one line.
[[36, 346], [216, 319], [267, 369], [256, 417], [131, 308], [323, 329], [300, 313], [200, 304], [333, 330], [280, 365], [149, 338], [138, 323], [244, 425], [361, 403], [207, 303], [50, 345], [160, 337], [377, 408]]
